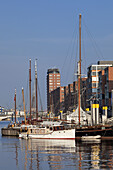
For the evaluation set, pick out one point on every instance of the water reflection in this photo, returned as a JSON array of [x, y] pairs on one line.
[[95, 155], [47, 151], [64, 154], [52, 154], [95, 150]]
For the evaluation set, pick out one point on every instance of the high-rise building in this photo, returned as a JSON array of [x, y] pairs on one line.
[[105, 89], [93, 79], [53, 82]]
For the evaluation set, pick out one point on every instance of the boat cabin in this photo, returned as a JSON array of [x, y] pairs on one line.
[[45, 130]]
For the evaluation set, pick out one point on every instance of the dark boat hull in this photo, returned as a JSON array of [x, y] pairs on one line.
[[103, 131]]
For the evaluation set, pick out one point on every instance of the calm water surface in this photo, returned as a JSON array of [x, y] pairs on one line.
[[16, 154]]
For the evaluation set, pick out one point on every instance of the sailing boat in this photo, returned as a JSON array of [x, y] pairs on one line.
[[103, 131], [46, 129], [34, 105], [35, 96], [15, 129]]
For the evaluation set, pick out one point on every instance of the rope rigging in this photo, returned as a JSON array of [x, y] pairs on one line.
[[94, 44], [69, 59]]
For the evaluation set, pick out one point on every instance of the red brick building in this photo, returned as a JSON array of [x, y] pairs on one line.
[[63, 98], [53, 82], [71, 95], [58, 99]]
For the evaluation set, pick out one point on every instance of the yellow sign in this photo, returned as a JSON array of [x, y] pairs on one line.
[[105, 108], [95, 105], [61, 111], [87, 109], [73, 110]]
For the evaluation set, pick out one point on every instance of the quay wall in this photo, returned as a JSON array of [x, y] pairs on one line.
[[10, 132]]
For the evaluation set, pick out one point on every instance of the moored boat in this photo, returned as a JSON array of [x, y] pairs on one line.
[[3, 117], [105, 131], [88, 138], [59, 132]]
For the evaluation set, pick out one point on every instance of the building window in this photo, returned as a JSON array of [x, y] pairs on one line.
[[109, 94], [103, 96], [93, 84], [93, 73], [95, 78], [51, 87], [94, 90]]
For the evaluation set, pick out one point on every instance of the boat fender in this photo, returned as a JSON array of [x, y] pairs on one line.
[[12, 125]]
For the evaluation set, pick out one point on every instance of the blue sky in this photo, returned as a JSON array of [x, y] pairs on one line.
[[44, 30]]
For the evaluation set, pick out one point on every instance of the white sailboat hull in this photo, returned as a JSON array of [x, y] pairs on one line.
[[4, 117], [59, 135]]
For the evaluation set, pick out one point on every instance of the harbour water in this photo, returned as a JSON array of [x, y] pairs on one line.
[[16, 154]]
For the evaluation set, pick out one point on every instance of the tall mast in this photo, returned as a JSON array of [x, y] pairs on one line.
[[80, 41], [79, 75], [36, 89], [30, 87], [24, 105], [15, 105]]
